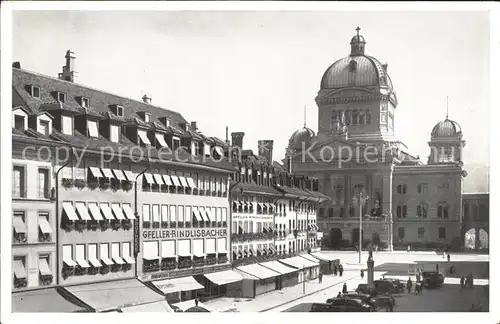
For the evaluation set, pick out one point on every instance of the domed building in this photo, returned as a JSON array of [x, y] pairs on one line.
[[365, 169]]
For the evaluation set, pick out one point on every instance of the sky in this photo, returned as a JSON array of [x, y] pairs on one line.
[[255, 71]]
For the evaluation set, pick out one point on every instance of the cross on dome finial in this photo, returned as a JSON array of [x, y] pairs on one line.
[[446, 107], [357, 30], [305, 107]]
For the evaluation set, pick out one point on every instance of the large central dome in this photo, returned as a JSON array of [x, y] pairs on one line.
[[357, 70]]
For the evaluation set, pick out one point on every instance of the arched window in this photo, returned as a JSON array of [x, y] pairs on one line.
[[466, 211], [405, 211], [404, 189], [355, 120], [421, 232], [398, 211], [440, 211], [419, 211], [445, 211], [442, 232], [362, 119]]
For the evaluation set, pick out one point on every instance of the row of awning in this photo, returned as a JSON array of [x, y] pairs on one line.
[[125, 175], [132, 295], [170, 180], [242, 203], [80, 211], [266, 228]]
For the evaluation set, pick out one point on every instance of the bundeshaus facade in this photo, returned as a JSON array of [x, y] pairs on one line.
[[361, 164], [111, 194]]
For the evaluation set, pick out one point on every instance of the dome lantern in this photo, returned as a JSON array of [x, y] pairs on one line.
[[358, 44]]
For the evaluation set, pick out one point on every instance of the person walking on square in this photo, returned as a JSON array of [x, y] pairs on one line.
[[471, 281], [462, 282], [339, 295], [448, 257], [320, 277], [344, 288], [362, 274], [408, 285], [408, 249], [341, 270]]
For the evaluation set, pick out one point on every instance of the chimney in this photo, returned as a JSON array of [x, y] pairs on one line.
[[227, 135], [237, 139], [146, 99], [265, 149], [289, 164], [16, 65], [384, 66], [68, 71], [194, 127]]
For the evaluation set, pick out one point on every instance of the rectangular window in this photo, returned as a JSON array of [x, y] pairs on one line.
[[19, 269], [115, 253], [44, 226], [67, 125], [85, 102], [180, 215], [168, 122], [188, 215], [61, 97], [19, 122], [119, 111], [92, 254], [156, 213], [92, 129], [164, 213], [35, 92], [173, 213], [146, 213], [104, 253], [19, 182], [68, 255], [114, 133], [147, 117], [43, 183], [44, 269], [44, 127]]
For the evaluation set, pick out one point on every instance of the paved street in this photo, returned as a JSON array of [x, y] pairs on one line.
[[447, 299]]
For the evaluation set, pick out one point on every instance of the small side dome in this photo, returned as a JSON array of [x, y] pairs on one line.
[[446, 128], [303, 135]]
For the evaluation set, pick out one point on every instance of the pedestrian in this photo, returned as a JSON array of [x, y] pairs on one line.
[[341, 270], [418, 276], [362, 274], [339, 295], [408, 285], [471, 281], [448, 257], [344, 288], [196, 301], [462, 282], [320, 277], [408, 249], [437, 267]]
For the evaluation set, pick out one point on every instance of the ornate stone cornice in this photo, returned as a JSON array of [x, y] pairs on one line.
[[323, 100]]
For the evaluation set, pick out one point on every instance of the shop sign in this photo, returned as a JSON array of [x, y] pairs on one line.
[[183, 233], [183, 273], [252, 217]]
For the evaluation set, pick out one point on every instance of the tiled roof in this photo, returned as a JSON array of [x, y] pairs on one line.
[[98, 100]]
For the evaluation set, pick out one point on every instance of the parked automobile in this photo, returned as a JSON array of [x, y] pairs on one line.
[[380, 287], [432, 279], [399, 285], [342, 305], [386, 302]]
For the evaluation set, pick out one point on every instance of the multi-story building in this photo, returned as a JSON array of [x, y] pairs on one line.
[[365, 169], [273, 222], [107, 190]]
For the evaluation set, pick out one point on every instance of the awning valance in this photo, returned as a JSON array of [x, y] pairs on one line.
[[166, 179], [119, 174], [175, 181], [278, 267], [323, 257], [298, 262], [258, 271], [114, 294], [223, 277], [178, 284]]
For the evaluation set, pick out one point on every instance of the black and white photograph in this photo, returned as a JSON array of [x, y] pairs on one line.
[[230, 160]]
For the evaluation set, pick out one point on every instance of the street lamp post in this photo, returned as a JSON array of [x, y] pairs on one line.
[[360, 199]]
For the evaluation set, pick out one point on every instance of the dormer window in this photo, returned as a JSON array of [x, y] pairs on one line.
[[119, 111], [67, 125], [85, 102], [147, 117], [352, 66], [44, 127], [114, 133], [92, 128], [34, 91], [19, 122], [187, 127], [61, 97], [168, 122]]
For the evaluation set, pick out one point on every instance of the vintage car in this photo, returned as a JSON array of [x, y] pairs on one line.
[[386, 302], [380, 287], [342, 305], [432, 279]]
